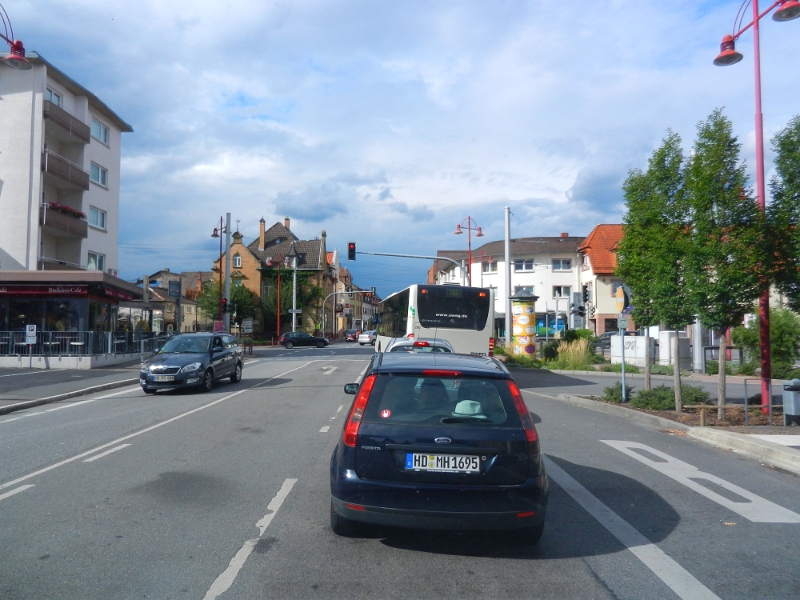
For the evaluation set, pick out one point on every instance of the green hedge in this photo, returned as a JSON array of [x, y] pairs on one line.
[[663, 397]]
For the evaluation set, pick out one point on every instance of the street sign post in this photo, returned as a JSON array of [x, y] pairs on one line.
[[30, 334], [295, 311]]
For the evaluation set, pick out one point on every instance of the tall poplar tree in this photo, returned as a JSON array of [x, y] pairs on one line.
[[726, 255], [650, 254]]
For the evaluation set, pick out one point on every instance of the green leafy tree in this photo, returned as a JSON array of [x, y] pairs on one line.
[[650, 254], [724, 262], [208, 299], [784, 334], [309, 298], [241, 299], [784, 214]]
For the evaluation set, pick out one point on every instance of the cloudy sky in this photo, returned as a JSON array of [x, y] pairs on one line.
[[389, 122]]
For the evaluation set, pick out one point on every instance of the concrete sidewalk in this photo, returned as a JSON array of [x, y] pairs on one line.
[[24, 388], [754, 443]]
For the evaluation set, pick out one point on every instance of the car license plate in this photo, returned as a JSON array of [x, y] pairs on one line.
[[442, 463], [164, 378]]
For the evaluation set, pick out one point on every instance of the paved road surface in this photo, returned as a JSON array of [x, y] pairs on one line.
[[225, 495]]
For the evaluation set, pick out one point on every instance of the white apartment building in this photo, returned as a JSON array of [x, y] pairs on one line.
[[548, 267], [59, 173]]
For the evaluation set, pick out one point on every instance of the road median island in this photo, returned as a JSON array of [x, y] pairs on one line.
[[773, 454], [10, 405]]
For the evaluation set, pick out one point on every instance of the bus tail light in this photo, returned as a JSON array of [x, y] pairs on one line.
[[491, 346], [357, 411]]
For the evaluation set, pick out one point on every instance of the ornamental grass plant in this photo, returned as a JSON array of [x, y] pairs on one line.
[[573, 356]]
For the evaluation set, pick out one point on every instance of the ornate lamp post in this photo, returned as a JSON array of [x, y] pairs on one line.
[[16, 56], [218, 231], [786, 11], [470, 226]]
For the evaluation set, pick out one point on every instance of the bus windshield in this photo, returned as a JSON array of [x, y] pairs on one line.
[[453, 307]]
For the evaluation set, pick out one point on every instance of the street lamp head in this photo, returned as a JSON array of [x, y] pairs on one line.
[[788, 10], [458, 230], [728, 54], [16, 58], [480, 233], [216, 233]]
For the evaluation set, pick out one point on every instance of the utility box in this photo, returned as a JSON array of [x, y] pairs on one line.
[[791, 402], [634, 349], [665, 349]]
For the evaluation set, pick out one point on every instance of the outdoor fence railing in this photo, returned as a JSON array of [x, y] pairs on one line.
[[80, 343]]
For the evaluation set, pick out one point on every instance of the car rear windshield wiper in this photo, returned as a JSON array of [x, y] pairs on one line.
[[465, 420]]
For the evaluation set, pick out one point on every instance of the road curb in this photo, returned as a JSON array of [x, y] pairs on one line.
[[4, 410], [762, 450]]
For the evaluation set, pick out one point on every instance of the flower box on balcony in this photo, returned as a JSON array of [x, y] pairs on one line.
[[67, 210]]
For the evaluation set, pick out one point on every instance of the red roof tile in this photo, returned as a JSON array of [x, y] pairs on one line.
[[600, 245]]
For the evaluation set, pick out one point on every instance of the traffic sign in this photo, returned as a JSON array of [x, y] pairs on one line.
[[623, 323], [30, 334], [295, 311]]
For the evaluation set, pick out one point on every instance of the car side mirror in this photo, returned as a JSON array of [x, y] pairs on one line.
[[351, 388], [217, 349]]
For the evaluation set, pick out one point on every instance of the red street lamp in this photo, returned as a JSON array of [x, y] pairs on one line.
[[470, 226], [16, 56], [787, 10], [218, 231]]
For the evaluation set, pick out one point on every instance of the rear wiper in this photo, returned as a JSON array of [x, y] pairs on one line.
[[465, 420]]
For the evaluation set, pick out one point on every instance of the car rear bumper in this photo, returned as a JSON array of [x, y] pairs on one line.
[[441, 507], [439, 520]]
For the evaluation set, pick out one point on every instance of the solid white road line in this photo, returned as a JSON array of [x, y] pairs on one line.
[[142, 431], [751, 507], [228, 576], [106, 453], [21, 488], [678, 579]]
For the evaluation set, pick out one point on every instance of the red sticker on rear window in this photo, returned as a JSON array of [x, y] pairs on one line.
[[386, 414]]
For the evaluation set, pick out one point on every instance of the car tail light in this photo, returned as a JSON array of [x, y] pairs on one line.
[[357, 412], [421, 344], [524, 413], [482, 294], [440, 373], [491, 346], [410, 335]]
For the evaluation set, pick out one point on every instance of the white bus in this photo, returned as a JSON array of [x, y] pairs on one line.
[[464, 316]]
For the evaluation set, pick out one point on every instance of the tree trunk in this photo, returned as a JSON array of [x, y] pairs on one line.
[[721, 385], [647, 358], [676, 373]]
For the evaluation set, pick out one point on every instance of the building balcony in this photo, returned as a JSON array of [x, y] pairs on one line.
[[59, 224], [66, 128], [53, 264], [63, 174]]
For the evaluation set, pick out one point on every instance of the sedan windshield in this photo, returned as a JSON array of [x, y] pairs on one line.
[[179, 345]]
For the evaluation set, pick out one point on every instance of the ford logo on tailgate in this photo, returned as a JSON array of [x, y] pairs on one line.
[[442, 440]]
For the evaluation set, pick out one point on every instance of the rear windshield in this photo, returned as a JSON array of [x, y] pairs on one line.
[[463, 402], [453, 307]]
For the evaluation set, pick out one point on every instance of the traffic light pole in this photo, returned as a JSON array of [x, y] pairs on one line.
[[455, 262]]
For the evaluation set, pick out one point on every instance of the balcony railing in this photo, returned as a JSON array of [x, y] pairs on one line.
[[64, 170], [61, 222], [53, 264], [67, 122]]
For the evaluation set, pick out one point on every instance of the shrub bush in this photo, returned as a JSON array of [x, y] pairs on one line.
[[550, 350], [662, 397], [617, 368], [661, 370], [712, 368], [613, 393], [512, 360], [781, 370]]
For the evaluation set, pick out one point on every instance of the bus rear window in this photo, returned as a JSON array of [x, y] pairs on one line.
[[453, 307]]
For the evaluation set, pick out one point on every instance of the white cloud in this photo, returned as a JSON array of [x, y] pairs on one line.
[[389, 122]]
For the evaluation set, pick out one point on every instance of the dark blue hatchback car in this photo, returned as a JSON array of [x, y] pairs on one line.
[[438, 441]]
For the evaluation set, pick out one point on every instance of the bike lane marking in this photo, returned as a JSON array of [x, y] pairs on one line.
[[678, 579], [753, 508]]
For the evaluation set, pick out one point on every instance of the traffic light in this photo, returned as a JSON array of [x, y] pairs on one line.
[[224, 305], [351, 250], [586, 294], [581, 311]]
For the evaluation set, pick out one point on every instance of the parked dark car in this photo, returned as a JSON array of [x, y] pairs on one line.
[[604, 339], [192, 360], [301, 338], [351, 335], [438, 441]]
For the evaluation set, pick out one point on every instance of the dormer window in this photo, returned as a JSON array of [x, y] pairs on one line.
[[237, 261]]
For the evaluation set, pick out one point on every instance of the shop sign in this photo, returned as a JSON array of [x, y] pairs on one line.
[[45, 290], [118, 294]]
